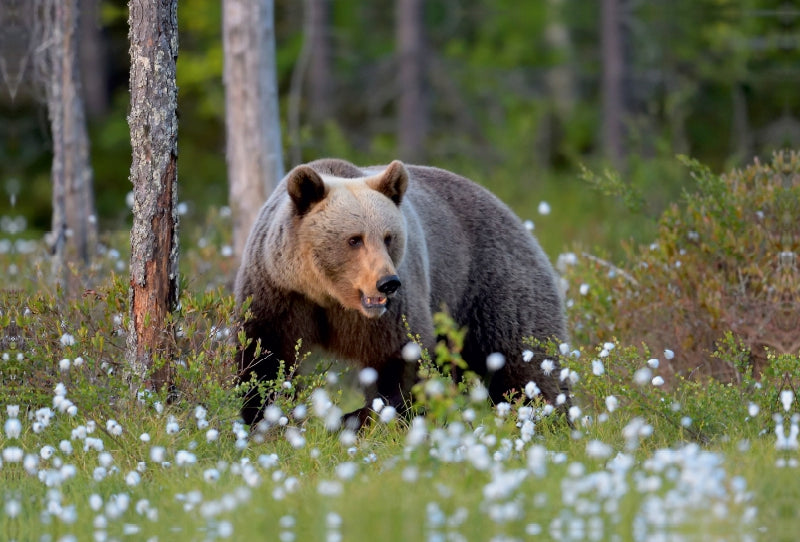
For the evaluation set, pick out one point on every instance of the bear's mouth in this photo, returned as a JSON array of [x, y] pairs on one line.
[[373, 305]]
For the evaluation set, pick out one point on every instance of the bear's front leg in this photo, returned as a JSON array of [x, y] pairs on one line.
[[265, 367], [395, 379]]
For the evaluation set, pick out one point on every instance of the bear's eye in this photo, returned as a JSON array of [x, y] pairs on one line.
[[387, 240], [355, 241]]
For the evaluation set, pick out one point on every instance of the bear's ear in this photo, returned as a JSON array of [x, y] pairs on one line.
[[305, 187], [392, 183]]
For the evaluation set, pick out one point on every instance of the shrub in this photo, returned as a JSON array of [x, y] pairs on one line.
[[726, 259]]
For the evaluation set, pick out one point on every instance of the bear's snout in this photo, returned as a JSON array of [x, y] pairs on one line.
[[388, 284]]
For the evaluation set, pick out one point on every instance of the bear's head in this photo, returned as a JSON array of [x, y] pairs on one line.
[[351, 235]]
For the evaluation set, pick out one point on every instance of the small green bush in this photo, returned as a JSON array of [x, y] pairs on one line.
[[726, 259]]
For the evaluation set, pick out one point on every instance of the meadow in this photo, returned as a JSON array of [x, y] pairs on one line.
[[684, 426]]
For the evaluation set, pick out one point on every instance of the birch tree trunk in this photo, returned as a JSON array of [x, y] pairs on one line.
[[153, 34], [412, 109], [252, 119], [74, 223]]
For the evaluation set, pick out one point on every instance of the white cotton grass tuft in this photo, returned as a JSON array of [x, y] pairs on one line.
[[387, 414], [642, 376], [13, 428], [547, 366], [531, 390], [367, 376], [411, 352], [787, 398], [495, 361], [478, 393], [669, 354], [544, 208], [527, 356], [598, 449]]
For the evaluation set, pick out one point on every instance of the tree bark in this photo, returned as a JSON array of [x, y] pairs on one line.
[[319, 80], [412, 109], [153, 34], [92, 48], [252, 119], [613, 66], [74, 223]]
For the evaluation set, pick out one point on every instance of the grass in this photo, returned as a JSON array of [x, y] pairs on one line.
[[468, 481], [656, 453]]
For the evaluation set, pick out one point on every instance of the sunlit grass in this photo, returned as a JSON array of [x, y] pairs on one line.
[[651, 454]]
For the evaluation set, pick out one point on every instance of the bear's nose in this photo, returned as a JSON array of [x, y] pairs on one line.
[[388, 284]]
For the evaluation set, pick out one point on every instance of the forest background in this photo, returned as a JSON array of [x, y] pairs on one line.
[[516, 95]]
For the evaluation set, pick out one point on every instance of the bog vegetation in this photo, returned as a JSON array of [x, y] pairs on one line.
[[683, 362]]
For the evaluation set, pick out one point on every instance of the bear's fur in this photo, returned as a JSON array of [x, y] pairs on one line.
[[332, 234]]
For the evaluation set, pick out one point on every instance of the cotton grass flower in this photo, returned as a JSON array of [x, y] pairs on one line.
[[367, 376], [133, 478], [387, 414], [642, 376], [598, 449], [532, 390], [411, 352], [495, 362], [527, 356], [547, 366], [13, 428], [787, 398]]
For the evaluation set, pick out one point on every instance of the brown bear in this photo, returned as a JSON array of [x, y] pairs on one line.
[[339, 255]]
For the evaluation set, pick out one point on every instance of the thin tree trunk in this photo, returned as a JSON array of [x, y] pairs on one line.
[[412, 109], [301, 66], [741, 140], [613, 66], [74, 224], [92, 49], [153, 34], [319, 81], [252, 119]]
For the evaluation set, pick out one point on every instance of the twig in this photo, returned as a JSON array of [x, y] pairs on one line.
[[627, 276]]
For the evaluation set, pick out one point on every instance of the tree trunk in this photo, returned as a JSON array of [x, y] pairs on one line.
[[153, 34], [252, 119], [613, 66], [74, 223], [319, 80], [93, 49], [412, 111]]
